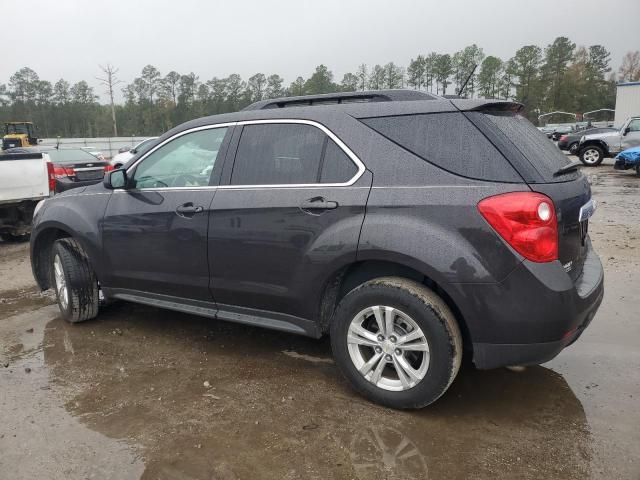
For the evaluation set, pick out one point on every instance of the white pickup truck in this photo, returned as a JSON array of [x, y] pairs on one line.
[[25, 179]]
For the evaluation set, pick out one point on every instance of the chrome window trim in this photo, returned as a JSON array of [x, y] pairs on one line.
[[354, 158]]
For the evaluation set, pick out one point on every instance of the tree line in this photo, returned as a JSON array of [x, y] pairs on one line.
[[561, 76]]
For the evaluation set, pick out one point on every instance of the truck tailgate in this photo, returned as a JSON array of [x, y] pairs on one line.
[[23, 176]]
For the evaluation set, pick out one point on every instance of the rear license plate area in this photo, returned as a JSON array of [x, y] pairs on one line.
[[90, 175]]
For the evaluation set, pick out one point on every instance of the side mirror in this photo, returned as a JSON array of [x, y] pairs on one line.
[[115, 179], [626, 130], [39, 140]]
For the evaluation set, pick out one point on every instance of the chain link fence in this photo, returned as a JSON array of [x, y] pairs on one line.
[[108, 146]]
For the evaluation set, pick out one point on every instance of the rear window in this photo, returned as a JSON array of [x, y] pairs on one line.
[[534, 146], [71, 156], [448, 140]]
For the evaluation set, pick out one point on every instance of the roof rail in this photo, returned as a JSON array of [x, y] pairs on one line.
[[343, 97]]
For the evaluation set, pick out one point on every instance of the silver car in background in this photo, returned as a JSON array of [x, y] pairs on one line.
[[596, 147]]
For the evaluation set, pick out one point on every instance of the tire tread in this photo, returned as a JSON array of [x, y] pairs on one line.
[[81, 281]]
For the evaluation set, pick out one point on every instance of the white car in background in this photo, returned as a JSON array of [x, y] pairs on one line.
[[96, 153], [124, 156]]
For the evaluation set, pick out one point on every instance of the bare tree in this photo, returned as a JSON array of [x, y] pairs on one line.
[[110, 81]]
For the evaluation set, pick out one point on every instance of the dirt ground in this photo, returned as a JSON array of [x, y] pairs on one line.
[[146, 393]]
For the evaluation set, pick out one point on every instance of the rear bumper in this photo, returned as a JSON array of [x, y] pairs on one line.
[[534, 313], [494, 355]]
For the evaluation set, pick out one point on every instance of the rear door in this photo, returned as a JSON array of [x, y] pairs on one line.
[[291, 211], [155, 231]]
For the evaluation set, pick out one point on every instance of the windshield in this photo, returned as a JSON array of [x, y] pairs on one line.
[[144, 145], [71, 156], [12, 128]]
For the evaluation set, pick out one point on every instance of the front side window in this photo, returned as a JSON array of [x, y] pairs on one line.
[[634, 126], [187, 161]]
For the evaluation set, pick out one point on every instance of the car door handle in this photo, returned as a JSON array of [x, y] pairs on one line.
[[188, 209], [317, 204]]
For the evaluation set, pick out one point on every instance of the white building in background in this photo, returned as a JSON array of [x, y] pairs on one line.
[[627, 102]]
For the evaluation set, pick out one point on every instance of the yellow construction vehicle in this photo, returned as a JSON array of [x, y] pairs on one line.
[[19, 134]]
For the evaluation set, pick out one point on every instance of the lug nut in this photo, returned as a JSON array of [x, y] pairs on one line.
[[398, 351], [378, 350], [393, 339], [380, 338], [387, 358]]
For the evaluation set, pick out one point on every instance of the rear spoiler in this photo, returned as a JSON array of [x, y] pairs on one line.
[[487, 106], [20, 156]]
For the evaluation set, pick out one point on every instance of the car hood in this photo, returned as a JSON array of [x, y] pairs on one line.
[[595, 136]]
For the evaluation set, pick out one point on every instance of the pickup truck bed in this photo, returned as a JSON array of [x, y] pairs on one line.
[[24, 181]]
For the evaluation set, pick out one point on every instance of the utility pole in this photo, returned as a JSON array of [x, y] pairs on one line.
[[110, 81]]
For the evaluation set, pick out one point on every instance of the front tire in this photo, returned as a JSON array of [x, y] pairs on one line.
[[396, 342], [74, 280], [591, 156]]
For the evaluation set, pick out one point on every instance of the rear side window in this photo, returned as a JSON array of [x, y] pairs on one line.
[[531, 143], [285, 154], [448, 140], [337, 167]]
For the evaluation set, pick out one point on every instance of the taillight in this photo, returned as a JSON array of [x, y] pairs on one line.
[[52, 177], [564, 137], [62, 172], [526, 221], [108, 168]]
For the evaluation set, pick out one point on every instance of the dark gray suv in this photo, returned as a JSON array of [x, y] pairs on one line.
[[409, 227]]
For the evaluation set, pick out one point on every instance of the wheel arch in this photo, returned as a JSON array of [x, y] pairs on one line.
[[348, 277], [594, 143], [41, 247]]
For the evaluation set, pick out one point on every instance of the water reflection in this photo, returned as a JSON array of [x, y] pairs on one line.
[[384, 452], [139, 373]]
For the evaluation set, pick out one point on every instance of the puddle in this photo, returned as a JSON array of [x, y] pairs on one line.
[[139, 373]]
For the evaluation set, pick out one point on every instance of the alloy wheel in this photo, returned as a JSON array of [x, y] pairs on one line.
[[388, 348], [591, 156], [61, 282]]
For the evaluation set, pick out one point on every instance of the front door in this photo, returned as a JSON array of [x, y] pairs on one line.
[[292, 212], [155, 230], [632, 137]]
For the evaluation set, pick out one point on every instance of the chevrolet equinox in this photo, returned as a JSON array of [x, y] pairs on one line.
[[409, 227]]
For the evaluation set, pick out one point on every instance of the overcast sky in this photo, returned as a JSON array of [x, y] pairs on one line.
[[69, 38]]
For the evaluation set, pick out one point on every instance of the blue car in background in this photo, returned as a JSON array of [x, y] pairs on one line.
[[629, 158]]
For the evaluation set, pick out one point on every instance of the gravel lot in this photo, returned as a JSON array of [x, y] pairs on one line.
[[146, 393]]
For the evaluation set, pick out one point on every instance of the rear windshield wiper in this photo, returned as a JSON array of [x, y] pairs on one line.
[[568, 168]]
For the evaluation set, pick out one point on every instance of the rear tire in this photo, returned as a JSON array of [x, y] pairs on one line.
[[74, 280], [591, 156], [573, 148], [421, 331]]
